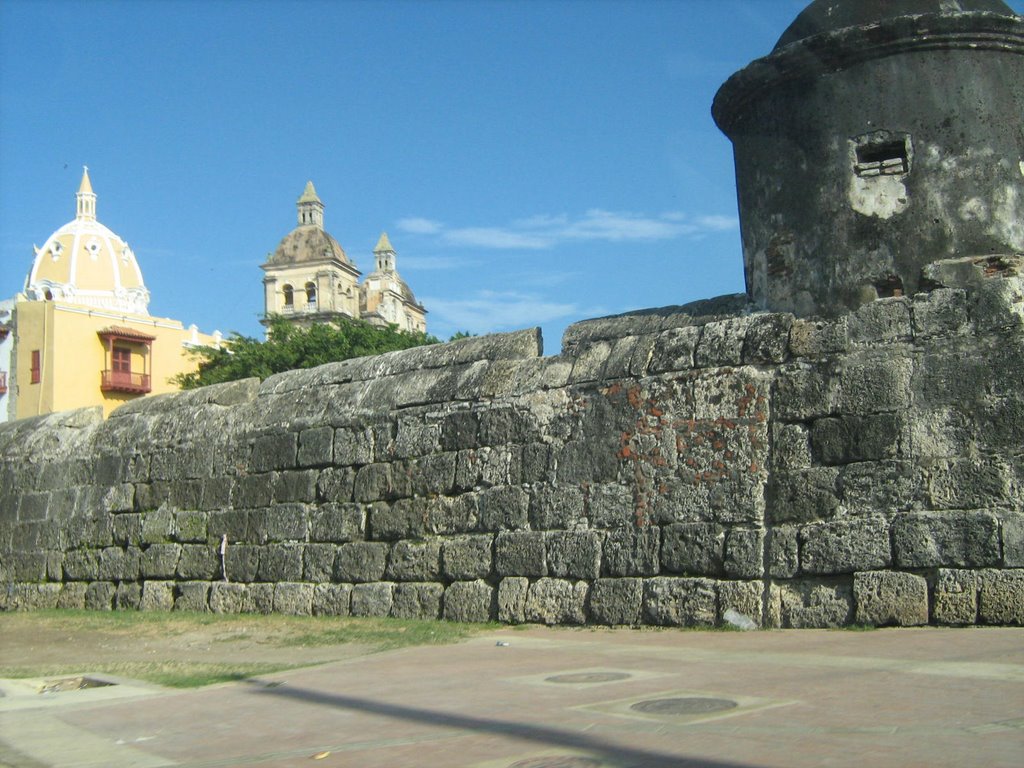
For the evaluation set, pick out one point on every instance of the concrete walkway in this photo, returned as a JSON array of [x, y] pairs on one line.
[[568, 698]]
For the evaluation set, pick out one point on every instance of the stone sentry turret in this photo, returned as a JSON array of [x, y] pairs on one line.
[[877, 137]]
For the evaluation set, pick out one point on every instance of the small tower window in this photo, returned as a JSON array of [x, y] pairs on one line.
[[289, 296], [882, 153], [311, 295]]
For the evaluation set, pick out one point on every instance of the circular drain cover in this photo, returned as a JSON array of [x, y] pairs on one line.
[[694, 705], [557, 761], [588, 677]]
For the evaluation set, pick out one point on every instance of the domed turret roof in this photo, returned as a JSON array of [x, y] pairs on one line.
[[308, 242], [83, 262], [831, 15], [386, 272]]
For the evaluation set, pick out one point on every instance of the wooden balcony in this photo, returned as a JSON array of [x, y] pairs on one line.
[[125, 381]]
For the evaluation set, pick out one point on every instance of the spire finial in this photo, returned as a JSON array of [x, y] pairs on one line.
[[86, 198]]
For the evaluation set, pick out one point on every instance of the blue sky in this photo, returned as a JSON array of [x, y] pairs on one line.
[[534, 163]]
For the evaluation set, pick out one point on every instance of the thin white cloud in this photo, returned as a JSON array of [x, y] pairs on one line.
[[491, 311], [546, 231], [419, 226]]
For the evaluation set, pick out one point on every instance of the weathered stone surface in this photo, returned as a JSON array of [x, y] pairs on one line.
[[616, 601], [503, 509], [415, 561], [556, 601], [846, 439], [783, 551], [744, 553], [520, 554], [280, 562], [372, 599], [631, 552], [332, 599], [697, 549], [157, 596], [1001, 597], [338, 523], [467, 557], [470, 601], [192, 596], [956, 597], [887, 598], [845, 546], [195, 561], [1012, 530], [361, 561], [417, 600], [512, 593], [949, 539], [680, 602], [811, 603], [72, 595], [318, 562], [160, 561], [804, 495], [574, 554]]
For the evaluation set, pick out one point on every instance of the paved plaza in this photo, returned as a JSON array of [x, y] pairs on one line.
[[566, 698]]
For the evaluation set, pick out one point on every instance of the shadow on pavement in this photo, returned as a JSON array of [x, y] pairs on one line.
[[626, 757]]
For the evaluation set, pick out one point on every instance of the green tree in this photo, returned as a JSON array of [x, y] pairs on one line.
[[289, 346]]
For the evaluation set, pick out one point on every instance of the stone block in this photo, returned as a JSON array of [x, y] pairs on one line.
[[520, 554], [502, 425], [297, 485], [361, 561], [252, 491], [192, 596], [535, 463], [82, 565], [72, 596], [232, 523], [128, 596], [467, 557], [680, 602], [117, 564], [846, 439], [242, 562], [966, 483], [875, 385], [99, 596], [336, 485], [318, 562], [279, 523], [30, 597], [887, 598], [631, 552], [332, 599], [293, 599], [337, 523], [404, 519], [942, 312], [354, 446], [316, 447], [574, 554], [744, 553], [887, 486], [1011, 525], [610, 505], [414, 600], [697, 549], [160, 561], [813, 604], [512, 593], [588, 460], [372, 599], [815, 339], [791, 446], [801, 393], [271, 452], [955, 597], [451, 515], [591, 358], [190, 527], [373, 483], [33, 506], [783, 551], [557, 507], [884, 320], [157, 596], [674, 349], [427, 475], [415, 561], [721, 343], [556, 601], [845, 546], [803, 496], [743, 597], [767, 339], [950, 539], [473, 601], [616, 601], [259, 598], [280, 562], [198, 562], [230, 598], [459, 431], [126, 529], [503, 509], [1001, 597]]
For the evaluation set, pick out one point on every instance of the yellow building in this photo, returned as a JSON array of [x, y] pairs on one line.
[[83, 334], [309, 279]]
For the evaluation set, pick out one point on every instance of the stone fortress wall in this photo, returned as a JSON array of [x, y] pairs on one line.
[[666, 467]]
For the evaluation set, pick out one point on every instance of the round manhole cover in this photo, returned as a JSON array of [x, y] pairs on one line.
[[557, 761], [588, 677], [693, 705]]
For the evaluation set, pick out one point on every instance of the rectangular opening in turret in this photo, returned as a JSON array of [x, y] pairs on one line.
[[882, 158]]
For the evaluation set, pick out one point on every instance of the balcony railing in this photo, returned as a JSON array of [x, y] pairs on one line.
[[3, 382], [125, 381]]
